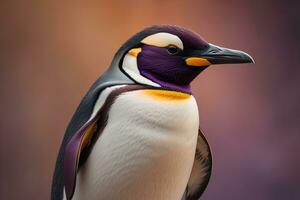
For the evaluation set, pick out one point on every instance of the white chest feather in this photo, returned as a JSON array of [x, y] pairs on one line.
[[146, 151]]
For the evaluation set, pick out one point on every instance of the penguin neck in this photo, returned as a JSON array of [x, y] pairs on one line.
[[131, 69], [169, 85]]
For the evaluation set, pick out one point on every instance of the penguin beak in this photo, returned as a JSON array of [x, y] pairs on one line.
[[217, 55]]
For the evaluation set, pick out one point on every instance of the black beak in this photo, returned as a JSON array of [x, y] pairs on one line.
[[216, 55], [220, 55]]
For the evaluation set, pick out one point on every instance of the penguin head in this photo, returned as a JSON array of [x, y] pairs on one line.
[[171, 57]]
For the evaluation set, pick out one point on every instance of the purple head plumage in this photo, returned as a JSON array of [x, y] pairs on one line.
[[171, 57]]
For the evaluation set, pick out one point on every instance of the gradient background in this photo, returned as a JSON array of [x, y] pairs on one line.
[[51, 52]]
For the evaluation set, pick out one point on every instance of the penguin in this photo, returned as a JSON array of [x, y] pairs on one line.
[[135, 135]]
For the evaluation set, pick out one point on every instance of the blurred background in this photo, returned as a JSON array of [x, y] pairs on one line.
[[52, 51]]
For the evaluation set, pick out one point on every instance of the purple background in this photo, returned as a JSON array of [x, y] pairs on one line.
[[51, 52]]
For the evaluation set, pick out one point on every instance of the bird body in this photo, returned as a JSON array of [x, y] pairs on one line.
[[146, 149], [136, 135]]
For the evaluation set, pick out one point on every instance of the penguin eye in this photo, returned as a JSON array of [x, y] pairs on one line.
[[172, 49]]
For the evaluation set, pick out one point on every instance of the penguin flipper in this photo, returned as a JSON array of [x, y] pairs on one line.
[[201, 170], [111, 78]]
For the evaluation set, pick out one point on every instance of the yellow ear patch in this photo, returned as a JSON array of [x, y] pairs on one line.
[[166, 95], [195, 61], [134, 52]]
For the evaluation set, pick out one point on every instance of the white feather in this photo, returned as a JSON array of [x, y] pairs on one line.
[[146, 151], [131, 68], [163, 39], [101, 99]]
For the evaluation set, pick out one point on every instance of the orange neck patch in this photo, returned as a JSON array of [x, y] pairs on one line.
[[166, 95]]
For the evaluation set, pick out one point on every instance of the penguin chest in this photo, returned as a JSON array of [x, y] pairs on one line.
[[146, 150]]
